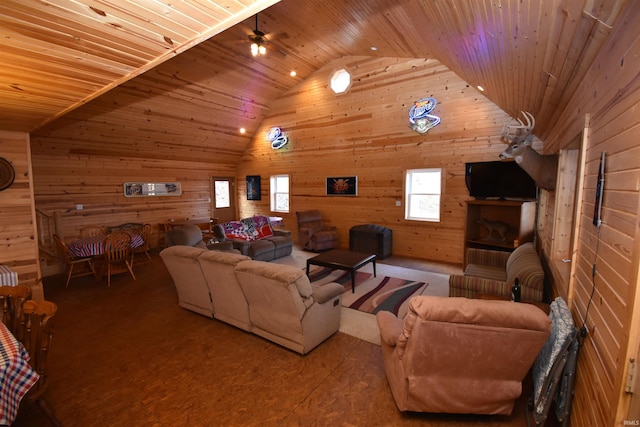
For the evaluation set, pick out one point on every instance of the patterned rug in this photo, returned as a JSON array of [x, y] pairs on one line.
[[372, 294]]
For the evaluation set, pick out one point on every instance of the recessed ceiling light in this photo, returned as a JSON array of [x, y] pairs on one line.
[[293, 73], [480, 88], [242, 130], [374, 48]]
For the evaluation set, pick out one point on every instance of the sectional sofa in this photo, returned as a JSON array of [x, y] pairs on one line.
[[274, 301]]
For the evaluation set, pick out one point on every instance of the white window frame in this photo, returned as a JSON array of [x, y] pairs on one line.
[[275, 191], [411, 194]]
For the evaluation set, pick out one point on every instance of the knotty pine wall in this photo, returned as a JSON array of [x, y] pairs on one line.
[[63, 180], [610, 96], [18, 249], [365, 133]]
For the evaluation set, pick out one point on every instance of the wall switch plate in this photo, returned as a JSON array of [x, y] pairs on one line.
[[398, 203], [79, 207]]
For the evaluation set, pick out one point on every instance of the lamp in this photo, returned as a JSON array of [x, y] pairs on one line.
[[258, 48]]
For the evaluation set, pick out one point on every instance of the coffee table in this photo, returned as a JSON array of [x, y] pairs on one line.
[[339, 259]]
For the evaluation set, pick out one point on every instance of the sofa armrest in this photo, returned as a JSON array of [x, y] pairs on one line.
[[326, 292], [241, 245], [226, 245], [390, 327], [487, 257]]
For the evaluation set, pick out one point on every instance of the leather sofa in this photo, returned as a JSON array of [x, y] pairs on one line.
[[493, 272], [460, 355], [274, 301], [255, 237]]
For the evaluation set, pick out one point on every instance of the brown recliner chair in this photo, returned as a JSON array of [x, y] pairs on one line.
[[313, 235], [459, 355]]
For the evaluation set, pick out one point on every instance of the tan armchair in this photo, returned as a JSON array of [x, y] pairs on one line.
[[459, 355], [313, 234]]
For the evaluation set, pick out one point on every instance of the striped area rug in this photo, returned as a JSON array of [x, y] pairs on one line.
[[372, 294]]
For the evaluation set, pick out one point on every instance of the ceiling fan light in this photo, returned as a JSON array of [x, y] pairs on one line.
[[254, 49], [262, 50]]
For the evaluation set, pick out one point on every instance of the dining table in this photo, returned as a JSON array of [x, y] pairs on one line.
[[94, 246], [16, 375]]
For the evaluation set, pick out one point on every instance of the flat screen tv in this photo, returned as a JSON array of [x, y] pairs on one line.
[[500, 180]]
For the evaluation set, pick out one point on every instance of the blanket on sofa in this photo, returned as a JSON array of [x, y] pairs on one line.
[[252, 228]]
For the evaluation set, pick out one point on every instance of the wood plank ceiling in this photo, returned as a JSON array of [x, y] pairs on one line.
[[57, 55]]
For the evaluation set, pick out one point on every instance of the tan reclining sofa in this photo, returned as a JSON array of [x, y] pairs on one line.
[[274, 301]]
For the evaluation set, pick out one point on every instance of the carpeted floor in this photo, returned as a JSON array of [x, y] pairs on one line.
[[359, 323]]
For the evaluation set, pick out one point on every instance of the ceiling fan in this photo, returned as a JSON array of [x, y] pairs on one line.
[[260, 40]]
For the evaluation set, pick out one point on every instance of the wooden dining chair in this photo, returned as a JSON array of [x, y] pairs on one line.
[[145, 234], [11, 300], [74, 267], [117, 254], [92, 231], [35, 332]]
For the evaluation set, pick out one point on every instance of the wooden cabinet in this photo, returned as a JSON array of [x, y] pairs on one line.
[[498, 224]]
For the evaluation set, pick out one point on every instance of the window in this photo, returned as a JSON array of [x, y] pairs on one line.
[[340, 81], [279, 192], [222, 194], [422, 194]]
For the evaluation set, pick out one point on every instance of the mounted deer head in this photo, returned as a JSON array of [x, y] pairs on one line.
[[542, 168]]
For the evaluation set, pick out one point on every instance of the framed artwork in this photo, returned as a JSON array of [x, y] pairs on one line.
[[342, 186], [253, 187], [148, 189]]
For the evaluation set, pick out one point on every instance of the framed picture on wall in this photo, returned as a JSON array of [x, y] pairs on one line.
[[253, 187], [150, 189], [342, 186]]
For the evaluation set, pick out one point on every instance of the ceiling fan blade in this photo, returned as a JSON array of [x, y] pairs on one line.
[[277, 36]]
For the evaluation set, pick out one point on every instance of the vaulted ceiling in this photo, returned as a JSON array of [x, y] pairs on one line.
[[58, 55]]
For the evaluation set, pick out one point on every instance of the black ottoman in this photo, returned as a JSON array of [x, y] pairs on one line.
[[371, 239]]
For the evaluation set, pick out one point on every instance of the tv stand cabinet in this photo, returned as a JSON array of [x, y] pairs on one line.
[[508, 224]]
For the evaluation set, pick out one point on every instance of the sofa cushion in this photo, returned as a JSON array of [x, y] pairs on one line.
[[486, 272], [261, 250]]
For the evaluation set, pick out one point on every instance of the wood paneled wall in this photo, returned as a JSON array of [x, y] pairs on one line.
[[365, 132], [64, 180], [610, 94], [18, 247]]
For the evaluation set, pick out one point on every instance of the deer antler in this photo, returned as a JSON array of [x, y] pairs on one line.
[[531, 121], [509, 132]]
